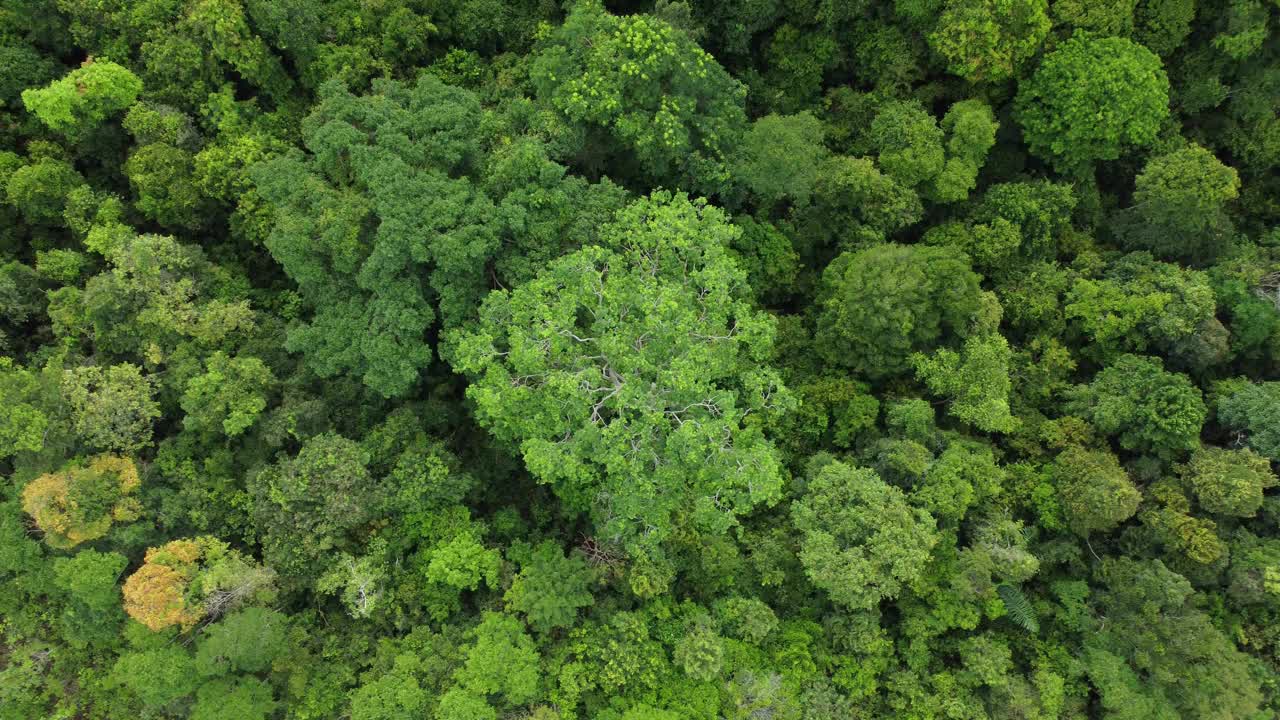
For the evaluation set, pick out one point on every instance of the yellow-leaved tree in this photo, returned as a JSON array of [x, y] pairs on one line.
[[185, 581], [80, 502]]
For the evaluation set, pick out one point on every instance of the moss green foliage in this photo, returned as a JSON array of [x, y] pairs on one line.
[[1091, 98], [1143, 405], [1252, 410], [976, 379], [1180, 201], [304, 504], [989, 40], [550, 587], [1140, 304], [111, 408], [663, 99], [907, 142], [369, 156], [779, 157], [40, 190], [971, 129], [623, 374], [24, 425], [881, 304], [1230, 482], [862, 541], [1095, 493], [643, 360], [228, 397]]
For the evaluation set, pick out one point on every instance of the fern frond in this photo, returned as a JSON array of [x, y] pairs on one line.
[[1019, 608]]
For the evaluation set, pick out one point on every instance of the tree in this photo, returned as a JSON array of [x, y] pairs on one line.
[[880, 305], [779, 156], [91, 579], [152, 123], [246, 641], [158, 677], [1163, 25], [183, 50], [908, 143], [223, 27], [989, 40], [862, 541], [1095, 493], [1145, 407], [23, 66], [618, 654], [163, 178], [40, 189], [81, 502], [22, 298], [396, 693], [223, 165], [229, 396], [1141, 304], [24, 423], [1253, 409], [463, 562], [501, 661], [84, 98], [991, 246], [112, 408], [624, 372], [855, 205], [1245, 301], [661, 98], [970, 127], [1091, 99], [156, 294], [458, 704], [1229, 482], [1170, 520], [542, 211], [550, 588], [184, 581], [1123, 692], [747, 618], [962, 476], [1038, 211], [359, 582], [1179, 206], [797, 58], [65, 266], [374, 208], [731, 26], [1104, 19], [305, 506], [1177, 659], [1253, 577], [769, 258], [1245, 29], [241, 697], [832, 412], [700, 652], [976, 380]]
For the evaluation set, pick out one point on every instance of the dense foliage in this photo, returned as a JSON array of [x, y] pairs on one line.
[[639, 359]]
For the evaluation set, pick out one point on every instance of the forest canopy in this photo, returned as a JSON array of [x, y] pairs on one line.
[[639, 360]]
